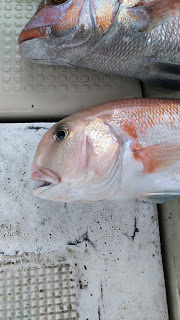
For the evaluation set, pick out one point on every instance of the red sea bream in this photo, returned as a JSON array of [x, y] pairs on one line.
[[126, 149]]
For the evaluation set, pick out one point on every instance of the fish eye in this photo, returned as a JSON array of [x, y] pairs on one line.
[[60, 132]]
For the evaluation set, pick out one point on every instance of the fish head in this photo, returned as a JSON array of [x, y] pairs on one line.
[[64, 31], [76, 160]]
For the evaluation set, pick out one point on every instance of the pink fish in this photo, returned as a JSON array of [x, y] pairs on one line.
[[126, 149], [137, 38]]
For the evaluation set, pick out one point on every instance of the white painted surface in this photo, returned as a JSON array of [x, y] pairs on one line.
[[113, 248]]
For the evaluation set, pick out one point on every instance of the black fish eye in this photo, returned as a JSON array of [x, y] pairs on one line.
[[60, 133]]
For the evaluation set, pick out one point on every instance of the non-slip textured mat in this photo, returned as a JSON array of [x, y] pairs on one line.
[[45, 293], [37, 287]]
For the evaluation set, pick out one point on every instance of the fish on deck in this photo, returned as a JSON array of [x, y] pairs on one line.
[[126, 149], [137, 38]]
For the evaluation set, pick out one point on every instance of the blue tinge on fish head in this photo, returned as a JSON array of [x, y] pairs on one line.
[[88, 175], [66, 31]]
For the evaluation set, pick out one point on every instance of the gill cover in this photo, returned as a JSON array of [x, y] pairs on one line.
[[102, 147]]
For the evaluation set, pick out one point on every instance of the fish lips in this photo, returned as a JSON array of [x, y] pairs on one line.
[[53, 188], [40, 24], [53, 192], [42, 188], [29, 34], [44, 19], [30, 43], [45, 176]]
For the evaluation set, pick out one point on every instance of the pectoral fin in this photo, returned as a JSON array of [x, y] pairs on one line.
[[145, 16], [159, 197], [163, 74], [164, 66], [157, 157], [164, 83]]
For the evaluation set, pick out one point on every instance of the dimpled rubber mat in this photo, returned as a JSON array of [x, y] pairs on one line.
[[30, 90], [45, 293]]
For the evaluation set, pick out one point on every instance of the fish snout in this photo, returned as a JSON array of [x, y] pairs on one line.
[[39, 25], [30, 34], [44, 175]]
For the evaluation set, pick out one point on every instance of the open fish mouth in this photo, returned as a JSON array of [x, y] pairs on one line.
[[44, 185], [46, 178]]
